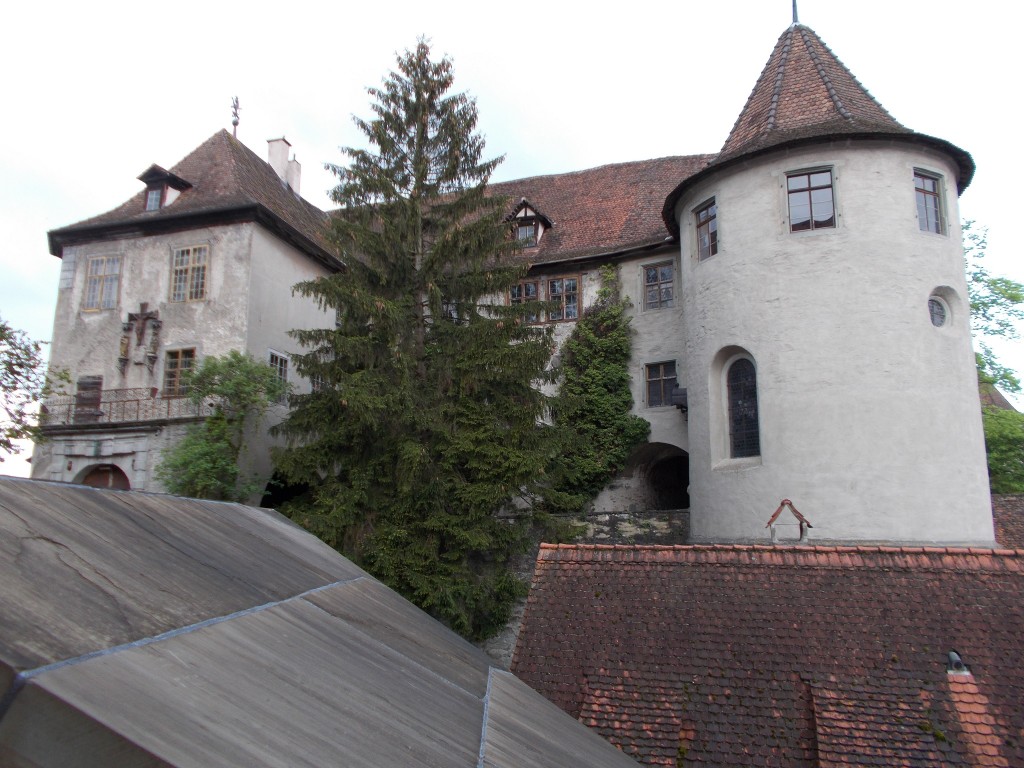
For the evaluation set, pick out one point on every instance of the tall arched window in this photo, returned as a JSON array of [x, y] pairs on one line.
[[744, 436]]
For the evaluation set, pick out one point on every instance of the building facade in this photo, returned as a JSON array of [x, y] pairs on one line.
[[200, 262], [799, 309]]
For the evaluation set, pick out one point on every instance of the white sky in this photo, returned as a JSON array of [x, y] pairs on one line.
[[96, 92]]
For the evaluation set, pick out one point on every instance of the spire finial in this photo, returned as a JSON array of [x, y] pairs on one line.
[[235, 108], [796, 19]]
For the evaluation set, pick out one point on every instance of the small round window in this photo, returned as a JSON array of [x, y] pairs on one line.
[[938, 311]]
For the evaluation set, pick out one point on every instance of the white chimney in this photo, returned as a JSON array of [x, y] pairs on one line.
[[294, 174], [277, 156]]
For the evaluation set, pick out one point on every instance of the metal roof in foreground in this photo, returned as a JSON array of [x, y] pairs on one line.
[[146, 630]]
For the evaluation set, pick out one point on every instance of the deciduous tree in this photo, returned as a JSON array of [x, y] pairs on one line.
[[424, 421], [204, 464], [23, 383], [997, 306]]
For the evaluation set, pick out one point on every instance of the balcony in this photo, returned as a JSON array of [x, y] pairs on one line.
[[117, 406]]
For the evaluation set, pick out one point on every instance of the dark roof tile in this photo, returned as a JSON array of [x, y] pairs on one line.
[[225, 177], [805, 655]]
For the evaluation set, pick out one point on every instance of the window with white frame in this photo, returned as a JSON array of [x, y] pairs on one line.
[[928, 191], [279, 363], [658, 285], [188, 273], [102, 279], [154, 197], [811, 200], [564, 291]]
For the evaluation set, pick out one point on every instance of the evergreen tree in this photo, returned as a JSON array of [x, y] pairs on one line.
[[594, 401], [425, 418]]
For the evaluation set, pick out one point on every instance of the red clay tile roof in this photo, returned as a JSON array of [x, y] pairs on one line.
[[805, 94], [990, 396], [228, 182], [803, 86], [602, 210], [788, 656], [1008, 516]]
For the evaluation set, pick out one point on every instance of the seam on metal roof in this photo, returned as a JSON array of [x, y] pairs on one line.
[[24, 676], [483, 726]]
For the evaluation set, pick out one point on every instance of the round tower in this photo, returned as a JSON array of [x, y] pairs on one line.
[[826, 315]]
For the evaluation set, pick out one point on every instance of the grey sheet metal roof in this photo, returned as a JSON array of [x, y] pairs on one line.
[[147, 630]]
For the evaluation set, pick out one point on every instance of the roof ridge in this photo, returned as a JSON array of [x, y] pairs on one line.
[[709, 156], [829, 86], [773, 110]]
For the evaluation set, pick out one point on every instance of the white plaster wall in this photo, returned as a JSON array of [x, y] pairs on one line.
[[869, 415], [248, 305], [272, 312], [657, 337]]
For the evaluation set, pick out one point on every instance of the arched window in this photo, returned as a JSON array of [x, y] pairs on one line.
[[744, 436]]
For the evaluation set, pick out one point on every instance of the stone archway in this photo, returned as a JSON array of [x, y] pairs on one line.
[[105, 476], [656, 477]]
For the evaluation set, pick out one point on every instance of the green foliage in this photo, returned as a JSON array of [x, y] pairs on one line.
[[1004, 443], [997, 305], [23, 383], [594, 402], [425, 420], [204, 464]]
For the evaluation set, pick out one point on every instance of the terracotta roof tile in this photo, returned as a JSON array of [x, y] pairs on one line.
[[795, 656], [1008, 516], [804, 94], [802, 86], [601, 210], [226, 177]]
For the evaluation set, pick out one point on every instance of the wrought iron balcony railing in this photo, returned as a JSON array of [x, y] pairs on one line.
[[118, 406]]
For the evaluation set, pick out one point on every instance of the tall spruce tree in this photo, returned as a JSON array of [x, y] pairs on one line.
[[425, 419]]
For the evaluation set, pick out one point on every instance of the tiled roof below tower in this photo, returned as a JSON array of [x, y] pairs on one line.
[[790, 656]]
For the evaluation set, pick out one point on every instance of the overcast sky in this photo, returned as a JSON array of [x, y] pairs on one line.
[[96, 92]]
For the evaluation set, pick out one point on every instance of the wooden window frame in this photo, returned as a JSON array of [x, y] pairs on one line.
[[659, 285], [100, 291], [656, 374], [706, 221], [930, 218], [176, 362], [805, 196], [518, 295], [559, 315], [189, 273]]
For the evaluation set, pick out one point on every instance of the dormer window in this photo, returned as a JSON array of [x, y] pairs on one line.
[[528, 224], [162, 187], [153, 198], [526, 233]]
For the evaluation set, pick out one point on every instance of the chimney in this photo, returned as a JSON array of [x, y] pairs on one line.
[[277, 156], [294, 174]]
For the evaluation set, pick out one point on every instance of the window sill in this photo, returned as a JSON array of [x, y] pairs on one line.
[[730, 465]]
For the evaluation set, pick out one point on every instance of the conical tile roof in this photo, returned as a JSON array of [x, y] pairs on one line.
[[804, 89], [806, 95]]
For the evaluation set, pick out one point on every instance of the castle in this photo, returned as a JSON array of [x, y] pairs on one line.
[[799, 306]]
